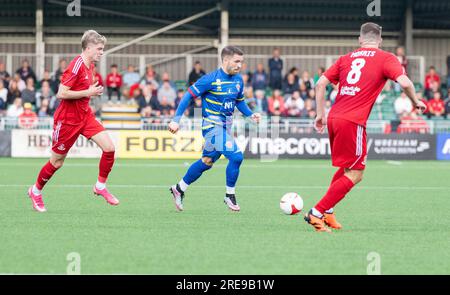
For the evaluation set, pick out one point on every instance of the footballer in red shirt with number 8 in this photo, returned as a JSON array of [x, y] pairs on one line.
[[361, 76], [74, 117]]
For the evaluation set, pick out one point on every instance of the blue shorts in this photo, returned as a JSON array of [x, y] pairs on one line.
[[219, 141]]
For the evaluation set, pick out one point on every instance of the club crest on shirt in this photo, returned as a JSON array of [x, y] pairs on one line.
[[238, 87]]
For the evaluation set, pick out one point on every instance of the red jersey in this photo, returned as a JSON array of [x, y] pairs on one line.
[[436, 106], [114, 80], [361, 75], [78, 77]]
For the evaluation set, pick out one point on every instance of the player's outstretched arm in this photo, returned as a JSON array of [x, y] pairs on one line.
[[245, 110], [174, 125], [410, 91], [321, 87], [64, 92]]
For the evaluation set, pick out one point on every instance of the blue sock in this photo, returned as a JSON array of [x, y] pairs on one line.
[[195, 171], [234, 162]]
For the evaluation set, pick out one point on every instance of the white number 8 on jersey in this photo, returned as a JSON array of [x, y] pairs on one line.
[[355, 74]]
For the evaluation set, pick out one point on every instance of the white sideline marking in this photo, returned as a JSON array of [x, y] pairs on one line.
[[154, 186], [396, 163]]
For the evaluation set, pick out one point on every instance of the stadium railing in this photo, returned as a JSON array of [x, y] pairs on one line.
[[282, 124]]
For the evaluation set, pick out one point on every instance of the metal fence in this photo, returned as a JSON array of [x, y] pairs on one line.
[[179, 66], [278, 124]]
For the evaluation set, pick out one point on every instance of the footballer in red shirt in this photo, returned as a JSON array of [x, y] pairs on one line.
[[361, 76], [74, 117]]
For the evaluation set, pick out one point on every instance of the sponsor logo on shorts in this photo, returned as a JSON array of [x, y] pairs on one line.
[[62, 147]]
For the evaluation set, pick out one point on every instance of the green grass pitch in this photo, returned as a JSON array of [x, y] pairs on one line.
[[400, 211]]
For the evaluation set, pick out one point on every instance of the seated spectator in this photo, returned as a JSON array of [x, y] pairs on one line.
[[260, 79], [97, 77], [196, 73], [436, 106], [246, 72], [148, 103], [289, 85], [333, 93], [29, 93], [15, 109], [165, 77], [4, 75], [447, 104], [294, 105], [434, 87], [20, 83], [303, 91], [114, 82], [44, 108], [261, 105], [46, 77], [3, 95], [293, 71], [307, 80], [57, 75], [310, 109], [167, 91], [150, 77], [312, 94], [196, 109], [318, 74], [431, 77], [166, 108], [28, 119], [13, 92], [46, 93], [403, 105], [129, 79], [276, 104], [25, 71]]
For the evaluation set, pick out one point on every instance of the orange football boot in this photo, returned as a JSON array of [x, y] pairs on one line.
[[316, 222], [330, 220]]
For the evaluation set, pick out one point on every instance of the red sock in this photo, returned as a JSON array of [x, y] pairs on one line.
[[338, 174], [335, 193], [45, 174], [105, 166]]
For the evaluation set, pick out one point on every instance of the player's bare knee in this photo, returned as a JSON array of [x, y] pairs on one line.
[[57, 163], [208, 161], [109, 148], [355, 176]]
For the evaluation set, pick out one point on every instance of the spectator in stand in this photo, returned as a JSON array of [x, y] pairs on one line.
[[260, 79], [261, 105], [28, 119], [13, 92], [196, 73], [310, 109], [197, 106], [289, 85], [44, 108], [447, 104], [318, 74], [334, 93], [167, 108], [29, 93], [303, 91], [25, 71], [150, 77], [130, 78], [19, 82], [4, 75], [403, 105], [307, 80], [401, 56], [165, 77], [57, 75], [46, 93], [293, 71], [113, 83], [3, 95], [246, 72], [246, 82], [431, 77], [294, 105], [436, 107], [312, 94], [15, 109], [276, 104], [275, 69], [45, 78], [148, 103], [168, 92], [97, 77], [412, 123]]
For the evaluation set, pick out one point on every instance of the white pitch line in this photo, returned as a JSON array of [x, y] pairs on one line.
[[151, 186]]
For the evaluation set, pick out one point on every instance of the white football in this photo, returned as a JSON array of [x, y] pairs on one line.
[[291, 203]]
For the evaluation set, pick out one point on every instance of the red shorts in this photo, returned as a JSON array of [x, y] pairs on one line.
[[348, 142], [65, 135]]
